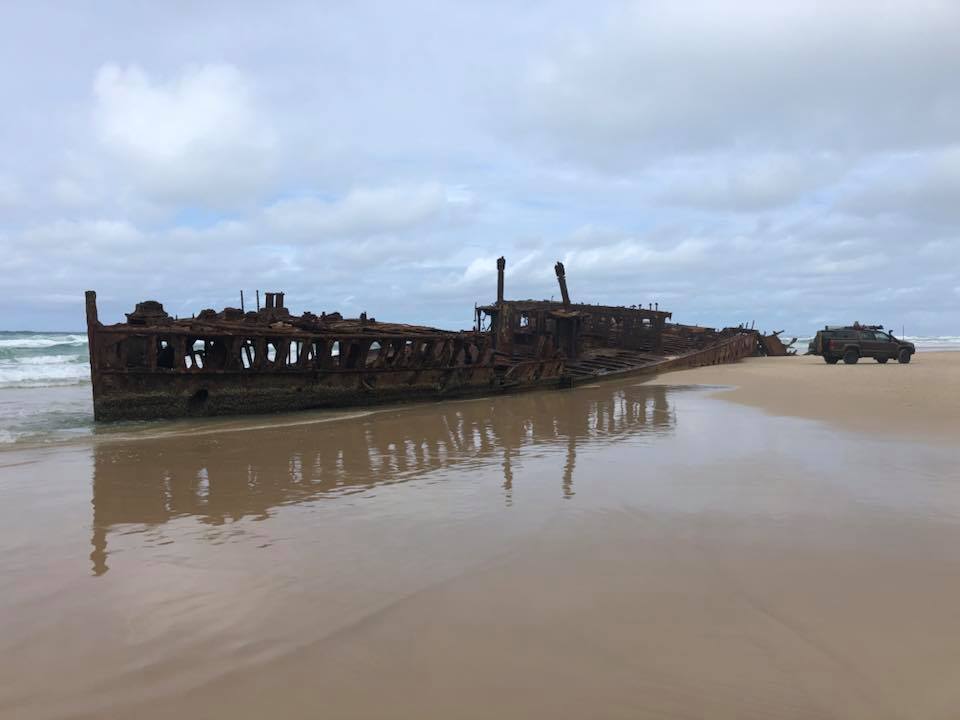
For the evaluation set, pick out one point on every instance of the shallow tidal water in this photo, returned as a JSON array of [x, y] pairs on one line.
[[617, 550]]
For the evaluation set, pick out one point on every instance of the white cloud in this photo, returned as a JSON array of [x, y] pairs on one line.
[[70, 236], [479, 269], [367, 211], [664, 77], [633, 255], [920, 186], [197, 138], [830, 266], [745, 183]]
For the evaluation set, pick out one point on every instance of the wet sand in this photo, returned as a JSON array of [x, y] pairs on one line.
[[919, 400], [625, 550]]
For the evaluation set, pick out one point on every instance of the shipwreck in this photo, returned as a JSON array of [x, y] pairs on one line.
[[269, 360]]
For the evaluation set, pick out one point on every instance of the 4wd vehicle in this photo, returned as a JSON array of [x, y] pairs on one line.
[[850, 343]]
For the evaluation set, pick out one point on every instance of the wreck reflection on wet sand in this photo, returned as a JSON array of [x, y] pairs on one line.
[[152, 483], [617, 550]]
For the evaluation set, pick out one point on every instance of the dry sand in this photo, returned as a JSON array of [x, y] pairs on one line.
[[920, 400]]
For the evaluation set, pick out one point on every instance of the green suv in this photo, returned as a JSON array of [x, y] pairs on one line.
[[850, 343]]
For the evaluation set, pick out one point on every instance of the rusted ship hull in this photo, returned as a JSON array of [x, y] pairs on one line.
[[233, 362], [143, 397], [139, 395], [146, 396]]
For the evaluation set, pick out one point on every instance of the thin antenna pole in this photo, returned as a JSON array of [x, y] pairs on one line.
[[258, 301], [242, 308]]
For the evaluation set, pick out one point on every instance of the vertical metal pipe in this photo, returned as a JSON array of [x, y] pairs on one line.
[[501, 266], [562, 279]]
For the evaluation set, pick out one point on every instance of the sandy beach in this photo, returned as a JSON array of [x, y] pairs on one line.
[[621, 550], [919, 400]]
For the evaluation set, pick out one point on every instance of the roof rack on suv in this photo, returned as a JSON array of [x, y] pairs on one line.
[[854, 326]]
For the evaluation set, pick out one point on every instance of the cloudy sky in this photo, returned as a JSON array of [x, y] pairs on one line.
[[770, 161]]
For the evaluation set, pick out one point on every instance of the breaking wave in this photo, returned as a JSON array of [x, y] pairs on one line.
[[940, 342], [30, 359]]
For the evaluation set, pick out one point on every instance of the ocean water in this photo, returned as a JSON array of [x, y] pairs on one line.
[[45, 383], [44, 386], [33, 359]]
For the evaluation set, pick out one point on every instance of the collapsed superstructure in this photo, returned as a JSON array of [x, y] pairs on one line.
[[268, 360]]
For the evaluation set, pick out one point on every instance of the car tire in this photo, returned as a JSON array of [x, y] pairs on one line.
[[851, 356], [882, 360], [830, 359], [904, 357]]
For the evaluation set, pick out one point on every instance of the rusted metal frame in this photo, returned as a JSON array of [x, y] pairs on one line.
[[730, 350], [205, 359], [231, 353], [293, 370], [551, 305], [260, 353], [281, 351], [413, 354], [393, 350], [445, 355], [248, 331], [179, 344], [152, 353], [735, 348], [458, 353], [423, 352], [124, 352], [462, 352], [419, 353], [520, 364], [437, 353], [356, 353], [304, 354], [322, 353]]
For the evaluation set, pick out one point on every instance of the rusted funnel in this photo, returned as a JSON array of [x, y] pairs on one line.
[[562, 279], [501, 266]]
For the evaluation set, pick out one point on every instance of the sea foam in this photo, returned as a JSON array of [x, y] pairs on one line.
[[43, 359]]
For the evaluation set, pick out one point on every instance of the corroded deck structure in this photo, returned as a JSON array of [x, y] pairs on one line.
[[234, 362]]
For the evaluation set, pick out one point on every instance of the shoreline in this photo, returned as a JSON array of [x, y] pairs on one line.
[[918, 401], [912, 401]]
